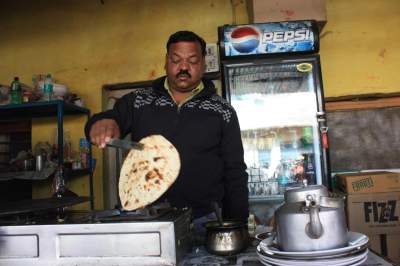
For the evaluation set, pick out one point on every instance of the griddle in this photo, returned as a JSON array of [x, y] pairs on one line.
[[119, 215], [34, 205]]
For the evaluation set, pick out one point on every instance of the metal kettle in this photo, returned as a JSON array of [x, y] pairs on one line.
[[310, 220]]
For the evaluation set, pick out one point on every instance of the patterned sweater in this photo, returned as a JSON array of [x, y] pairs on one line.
[[205, 130]]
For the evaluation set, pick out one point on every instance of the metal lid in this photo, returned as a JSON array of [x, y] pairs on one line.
[[313, 192]]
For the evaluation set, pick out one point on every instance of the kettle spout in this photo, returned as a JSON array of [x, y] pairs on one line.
[[314, 228]]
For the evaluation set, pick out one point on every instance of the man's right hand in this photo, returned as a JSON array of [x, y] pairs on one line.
[[102, 131]]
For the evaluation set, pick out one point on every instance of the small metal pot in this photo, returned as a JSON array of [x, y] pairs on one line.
[[227, 239], [28, 164]]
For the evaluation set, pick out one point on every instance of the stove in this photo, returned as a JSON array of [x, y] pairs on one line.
[[152, 236]]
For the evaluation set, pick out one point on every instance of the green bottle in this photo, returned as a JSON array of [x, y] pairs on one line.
[[16, 91], [48, 88]]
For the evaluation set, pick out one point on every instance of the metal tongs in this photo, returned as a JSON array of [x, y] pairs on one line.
[[121, 144], [125, 144]]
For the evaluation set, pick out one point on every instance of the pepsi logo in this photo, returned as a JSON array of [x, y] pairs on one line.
[[245, 39]]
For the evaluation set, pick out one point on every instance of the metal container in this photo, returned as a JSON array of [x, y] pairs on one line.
[[39, 163], [310, 221], [228, 238]]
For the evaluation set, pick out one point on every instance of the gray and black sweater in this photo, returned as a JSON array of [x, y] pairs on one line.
[[205, 130]]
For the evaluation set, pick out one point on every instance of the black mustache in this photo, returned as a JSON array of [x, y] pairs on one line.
[[183, 72]]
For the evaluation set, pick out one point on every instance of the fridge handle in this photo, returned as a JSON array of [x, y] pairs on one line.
[[321, 118], [323, 128], [324, 133]]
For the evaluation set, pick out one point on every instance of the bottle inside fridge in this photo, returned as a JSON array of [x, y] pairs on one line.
[[276, 107], [278, 158]]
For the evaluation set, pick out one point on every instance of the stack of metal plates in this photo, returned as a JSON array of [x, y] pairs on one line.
[[355, 253]]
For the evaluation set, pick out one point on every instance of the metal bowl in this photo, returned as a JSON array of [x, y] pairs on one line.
[[227, 239]]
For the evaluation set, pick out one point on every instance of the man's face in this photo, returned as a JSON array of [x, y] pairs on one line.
[[184, 65]]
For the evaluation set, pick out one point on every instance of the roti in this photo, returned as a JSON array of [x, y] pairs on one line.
[[146, 174]]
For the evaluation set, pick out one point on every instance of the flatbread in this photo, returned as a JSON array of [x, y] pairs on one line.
[[146, 174]]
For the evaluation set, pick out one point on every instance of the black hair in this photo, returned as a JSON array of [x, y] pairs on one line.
[[187, 36]]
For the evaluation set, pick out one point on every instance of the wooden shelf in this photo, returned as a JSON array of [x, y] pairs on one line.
[[358, 104]]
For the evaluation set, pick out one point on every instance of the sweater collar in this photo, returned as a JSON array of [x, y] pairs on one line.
[[209, 88]]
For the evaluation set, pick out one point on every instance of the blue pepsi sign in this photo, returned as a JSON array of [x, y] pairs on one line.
[[269, 38]]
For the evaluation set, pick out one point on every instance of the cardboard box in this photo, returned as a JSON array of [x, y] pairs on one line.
[[368, 182], [386, 245], [377, 215], [287, 10], [373, 208], [374, 213]]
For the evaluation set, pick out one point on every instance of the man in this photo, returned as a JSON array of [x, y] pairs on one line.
[[202, 126]]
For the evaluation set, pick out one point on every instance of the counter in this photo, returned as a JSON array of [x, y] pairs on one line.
[[200, 257]]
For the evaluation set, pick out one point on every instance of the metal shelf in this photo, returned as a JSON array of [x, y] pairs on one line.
[[54, 108], [71, 173], [39, 109], [32, 175]]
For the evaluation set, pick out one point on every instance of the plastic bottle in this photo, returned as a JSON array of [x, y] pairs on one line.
[[59, 191], [84, 152], [59, 182], [48, 88], [16, 91]]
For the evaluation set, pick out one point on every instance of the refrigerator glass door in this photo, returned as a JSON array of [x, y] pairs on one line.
[[277, 109]]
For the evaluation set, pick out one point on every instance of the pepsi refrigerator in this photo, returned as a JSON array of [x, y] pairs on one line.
[[271, 75]]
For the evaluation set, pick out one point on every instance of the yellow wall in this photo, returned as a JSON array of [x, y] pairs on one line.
[[86, 44], [360, 47]]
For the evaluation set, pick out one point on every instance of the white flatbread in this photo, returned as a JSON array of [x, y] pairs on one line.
[[146, 174]]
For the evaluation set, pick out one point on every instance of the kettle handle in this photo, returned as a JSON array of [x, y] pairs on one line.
[[314, 228]]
